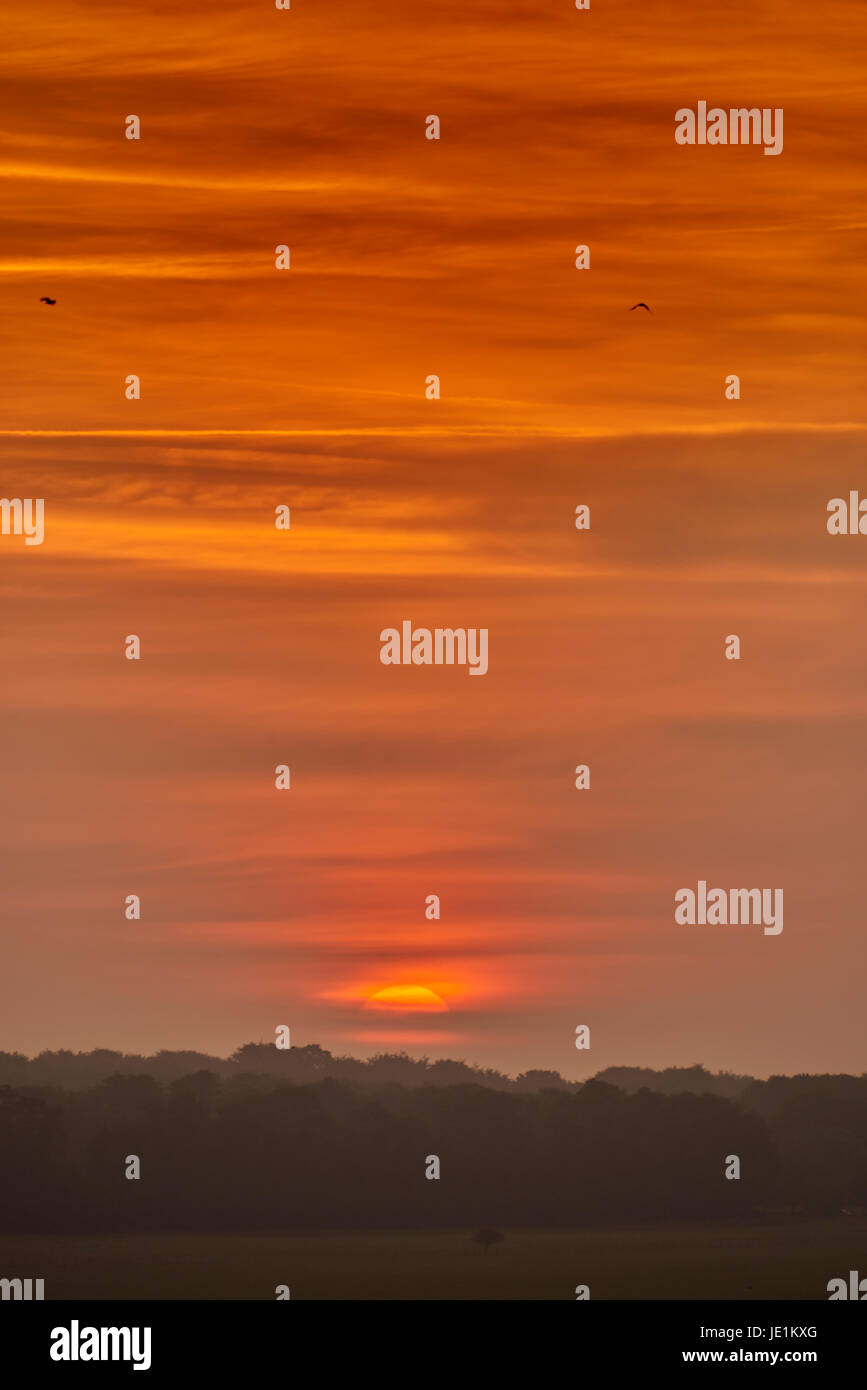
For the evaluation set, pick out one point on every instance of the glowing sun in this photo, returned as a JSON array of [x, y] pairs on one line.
[[406, 999]]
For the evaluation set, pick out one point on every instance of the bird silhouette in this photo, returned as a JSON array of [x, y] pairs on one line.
[[46, 300], [642, 305]]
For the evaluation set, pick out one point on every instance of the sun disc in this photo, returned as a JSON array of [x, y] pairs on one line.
[[406, 999]]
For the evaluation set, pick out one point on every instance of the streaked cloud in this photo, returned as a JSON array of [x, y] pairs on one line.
[[307, 387]]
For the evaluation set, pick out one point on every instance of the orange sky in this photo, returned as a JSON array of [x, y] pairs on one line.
[[306, 387]]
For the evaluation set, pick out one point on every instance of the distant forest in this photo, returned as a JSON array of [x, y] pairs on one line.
[[300, 1139], [75, 1071]]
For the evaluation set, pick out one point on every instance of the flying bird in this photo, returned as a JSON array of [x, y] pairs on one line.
[[642, 305], [46, 300]]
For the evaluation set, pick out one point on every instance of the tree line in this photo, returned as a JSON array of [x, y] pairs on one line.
[[80, 1070], [255, 1150]]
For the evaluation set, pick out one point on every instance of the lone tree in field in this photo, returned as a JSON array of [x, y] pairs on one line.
[[487, 1237]]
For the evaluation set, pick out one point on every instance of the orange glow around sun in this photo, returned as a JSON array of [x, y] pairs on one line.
[[406, 999]]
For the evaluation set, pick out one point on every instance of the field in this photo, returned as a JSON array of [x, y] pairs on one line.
[[788, 1261]]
